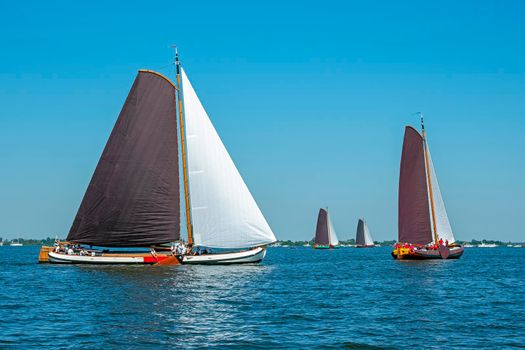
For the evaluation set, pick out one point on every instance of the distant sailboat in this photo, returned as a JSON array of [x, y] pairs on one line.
[[133, 199], [363, 239], [325, 236], [424, 231]]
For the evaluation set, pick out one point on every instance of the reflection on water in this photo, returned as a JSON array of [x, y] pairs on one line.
[[345, 298]]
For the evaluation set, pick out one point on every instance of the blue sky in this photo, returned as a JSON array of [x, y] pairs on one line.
[[311, 100]]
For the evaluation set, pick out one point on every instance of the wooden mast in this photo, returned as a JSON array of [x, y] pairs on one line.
[[429, 181], [183, 151]]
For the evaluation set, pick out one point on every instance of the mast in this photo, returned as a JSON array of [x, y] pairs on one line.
[[432, 209], [328, 227], [183, 150]]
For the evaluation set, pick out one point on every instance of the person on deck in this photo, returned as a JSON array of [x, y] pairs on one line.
[[441, 241]]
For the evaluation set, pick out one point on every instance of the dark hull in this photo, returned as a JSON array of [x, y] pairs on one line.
[[423, 254], [364, 246], [318, 246]]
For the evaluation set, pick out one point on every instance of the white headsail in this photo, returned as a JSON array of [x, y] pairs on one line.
[[368, 237], [444, 230], [331, 231], [224, 213]]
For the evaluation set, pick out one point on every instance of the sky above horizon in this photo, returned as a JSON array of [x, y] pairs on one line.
[[310, 99]]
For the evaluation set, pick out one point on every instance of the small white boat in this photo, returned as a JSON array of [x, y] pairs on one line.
[[247, 256], [16, 244], [486, 245]]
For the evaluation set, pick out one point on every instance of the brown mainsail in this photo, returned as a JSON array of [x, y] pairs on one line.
[[414, 218], [360, 233], [133, 197], [321, 233]]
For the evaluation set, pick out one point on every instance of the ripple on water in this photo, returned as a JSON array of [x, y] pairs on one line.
[[344, 298]]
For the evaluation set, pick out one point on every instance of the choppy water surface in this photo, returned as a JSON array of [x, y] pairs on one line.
[[297, 298]]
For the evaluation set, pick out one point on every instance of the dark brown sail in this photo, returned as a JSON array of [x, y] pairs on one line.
[[414, 214], [133, 197], [321, 233], [360, 234]]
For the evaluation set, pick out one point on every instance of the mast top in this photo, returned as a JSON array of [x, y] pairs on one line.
[[177, 61], [422, 121]]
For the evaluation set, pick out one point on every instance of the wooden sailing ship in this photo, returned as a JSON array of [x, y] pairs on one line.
[[424, 231], [363, 238], [134, 199], [325, 236]]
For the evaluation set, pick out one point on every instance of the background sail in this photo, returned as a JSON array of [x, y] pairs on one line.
[[321, 233], [133, 196], [363, 236], [331, 232], [442, 224], [368, 236], [224, 213], [413, 206]]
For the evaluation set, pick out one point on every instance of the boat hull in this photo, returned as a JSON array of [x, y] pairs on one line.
[[365, 246], [244, 257], [105, 259], [318, 246], [424, 254]]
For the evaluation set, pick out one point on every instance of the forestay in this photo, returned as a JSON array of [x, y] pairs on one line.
[[331, 232], [444, 230], [224, 213]]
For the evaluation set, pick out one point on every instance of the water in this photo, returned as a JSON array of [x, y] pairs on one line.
[[298, 298]]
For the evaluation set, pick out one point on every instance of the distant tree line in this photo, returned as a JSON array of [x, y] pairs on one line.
[[392, 242], [50, 241], [29, 241]]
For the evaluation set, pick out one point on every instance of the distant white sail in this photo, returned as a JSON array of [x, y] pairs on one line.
[[368, 237], [443, 227], [331, 231], [224, 213]]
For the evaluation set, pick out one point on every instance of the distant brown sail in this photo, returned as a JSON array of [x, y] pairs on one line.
[[414, 218], [321, 233], [360, 233], [133, 197]]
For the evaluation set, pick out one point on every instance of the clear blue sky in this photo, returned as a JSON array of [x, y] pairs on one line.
[[311, 100]]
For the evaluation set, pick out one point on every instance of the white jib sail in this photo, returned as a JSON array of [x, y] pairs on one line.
[[368, 236], [444, 230], [224, 213], [332, 237]]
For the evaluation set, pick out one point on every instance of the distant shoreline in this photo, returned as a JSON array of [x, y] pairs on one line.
[[351, 242], [280, 243]]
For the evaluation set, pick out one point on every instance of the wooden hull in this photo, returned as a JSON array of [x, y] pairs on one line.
[[105, 259], [424, 254], [243, 257]]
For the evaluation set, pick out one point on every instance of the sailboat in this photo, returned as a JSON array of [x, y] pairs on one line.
[[363, 239], [424, 231], [134, 199], [325, 236]]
